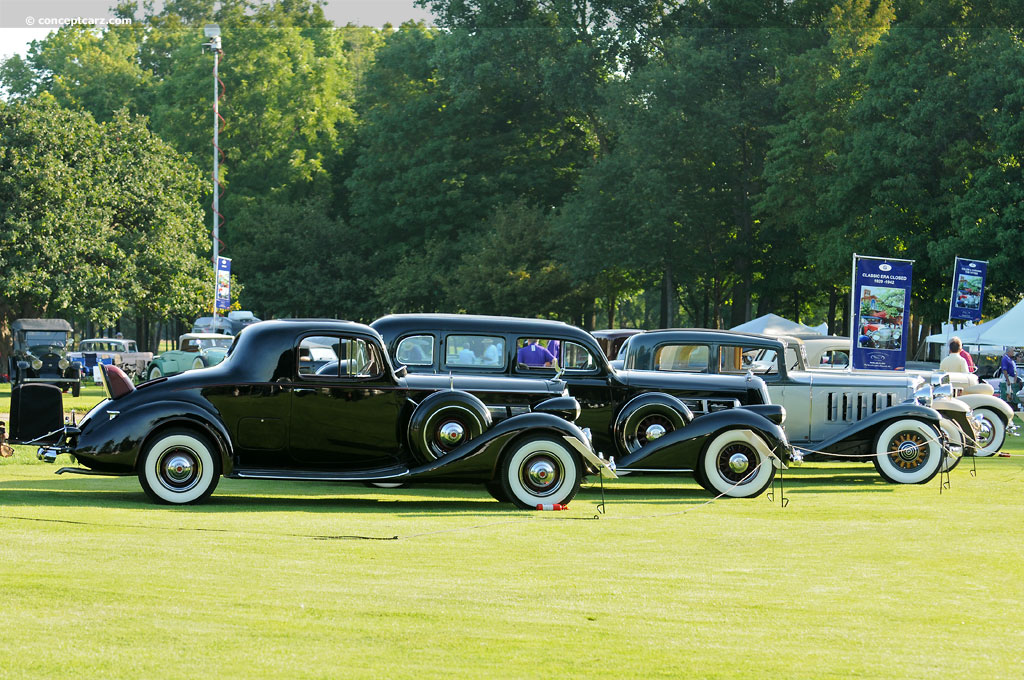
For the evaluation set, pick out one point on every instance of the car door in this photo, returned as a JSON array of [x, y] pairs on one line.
[[345, 412]]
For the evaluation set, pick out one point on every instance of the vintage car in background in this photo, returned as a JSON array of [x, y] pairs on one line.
[[993, 417], [195, 350], [241, 319], [122, 353], [648, 423], [41, 354], [259, 415], [206, 324], [899, 421], [612, 339]]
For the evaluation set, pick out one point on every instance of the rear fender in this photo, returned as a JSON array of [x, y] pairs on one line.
[[681, 449], [116, 443]]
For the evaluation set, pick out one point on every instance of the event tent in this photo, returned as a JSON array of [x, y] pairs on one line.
[[1006, 330], [773, 324]]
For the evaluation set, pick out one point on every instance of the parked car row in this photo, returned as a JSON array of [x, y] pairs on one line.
[[525, 407]]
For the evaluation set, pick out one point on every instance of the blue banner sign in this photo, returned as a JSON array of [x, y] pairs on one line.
[[881, 308], [968, 289], [223, 283]]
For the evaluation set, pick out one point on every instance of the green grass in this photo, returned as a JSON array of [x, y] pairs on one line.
[[854, 579]]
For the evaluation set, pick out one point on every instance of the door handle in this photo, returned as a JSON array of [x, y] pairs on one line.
[[299, 391]]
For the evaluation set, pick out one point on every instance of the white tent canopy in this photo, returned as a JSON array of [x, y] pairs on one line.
[[773, 324], [1006, 330]]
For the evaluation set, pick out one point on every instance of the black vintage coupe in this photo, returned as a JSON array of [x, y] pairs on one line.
[[274, 409], [649, 422]]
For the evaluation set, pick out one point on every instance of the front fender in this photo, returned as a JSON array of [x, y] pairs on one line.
[[681, 449], [480, 456], [859, 437], [114, 445], [990, 402]]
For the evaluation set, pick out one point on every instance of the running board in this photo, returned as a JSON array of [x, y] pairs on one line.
[[97, 473], [322, 475]]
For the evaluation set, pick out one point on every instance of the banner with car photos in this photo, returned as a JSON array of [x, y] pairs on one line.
[[223, 298], [968, 289], [881, 306]]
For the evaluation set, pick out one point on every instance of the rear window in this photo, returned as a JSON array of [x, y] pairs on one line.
[[416, 350], [684, 358]]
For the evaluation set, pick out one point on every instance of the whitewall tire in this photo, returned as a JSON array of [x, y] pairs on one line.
[[908, 451], [540, 470], [991, 432], [732, 466], [179, 466]]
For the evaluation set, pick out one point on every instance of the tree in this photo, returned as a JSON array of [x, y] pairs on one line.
[[95, 218]]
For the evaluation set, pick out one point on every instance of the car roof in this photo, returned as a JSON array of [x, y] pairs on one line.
[[107, 340], [41, 325], [476, 323], [203, 336], [707, 335]]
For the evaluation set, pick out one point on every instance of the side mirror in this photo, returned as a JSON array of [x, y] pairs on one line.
[[401, 371]]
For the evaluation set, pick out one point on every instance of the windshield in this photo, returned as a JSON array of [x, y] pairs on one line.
[[45, 339], [207, 343]]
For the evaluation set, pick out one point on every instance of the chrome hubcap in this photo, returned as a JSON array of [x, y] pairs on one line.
[[451, 433], [541, 475], [739, 462], [180, 470], [655, 431], [984, 433]]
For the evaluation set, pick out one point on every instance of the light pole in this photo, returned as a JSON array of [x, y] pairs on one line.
[[212, 31]]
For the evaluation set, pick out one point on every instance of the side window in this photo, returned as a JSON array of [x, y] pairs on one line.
[[535, 353], [737, 360], [475, 350], [416, 350], [688, 358], [190, 346], [576, 357], [334, 357]]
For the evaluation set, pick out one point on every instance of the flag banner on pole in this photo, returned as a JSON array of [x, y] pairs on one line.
[[968, 289], [882, 312], [223, 283]]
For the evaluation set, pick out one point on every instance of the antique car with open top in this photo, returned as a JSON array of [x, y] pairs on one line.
[[647, 422], [900, 422], [265, 413]]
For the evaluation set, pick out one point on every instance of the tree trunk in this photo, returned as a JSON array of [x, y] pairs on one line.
[[668, 296], [611, 310], [833, 303]]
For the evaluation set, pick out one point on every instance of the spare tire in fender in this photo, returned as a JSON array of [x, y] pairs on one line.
[[648, 417], [444, 421]]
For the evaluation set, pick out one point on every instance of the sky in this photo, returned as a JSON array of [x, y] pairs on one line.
[[22, 21]]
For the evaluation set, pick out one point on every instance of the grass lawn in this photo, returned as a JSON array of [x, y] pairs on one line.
[[854, 579]]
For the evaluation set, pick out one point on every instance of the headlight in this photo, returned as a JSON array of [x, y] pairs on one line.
[[63, 364], [897, 333], [943, 391], [37, 364], [876, 337], [923, 396]]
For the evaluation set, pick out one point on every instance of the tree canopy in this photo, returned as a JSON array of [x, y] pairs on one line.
[[648, 162]]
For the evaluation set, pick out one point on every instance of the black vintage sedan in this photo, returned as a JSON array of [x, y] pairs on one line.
[[275, 410], [649, 422]]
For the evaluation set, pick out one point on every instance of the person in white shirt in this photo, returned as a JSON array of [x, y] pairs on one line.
[[954, 363]]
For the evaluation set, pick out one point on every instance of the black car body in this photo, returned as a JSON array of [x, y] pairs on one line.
[[897, 421], [640, 418], [263, 413], [40, 354]]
